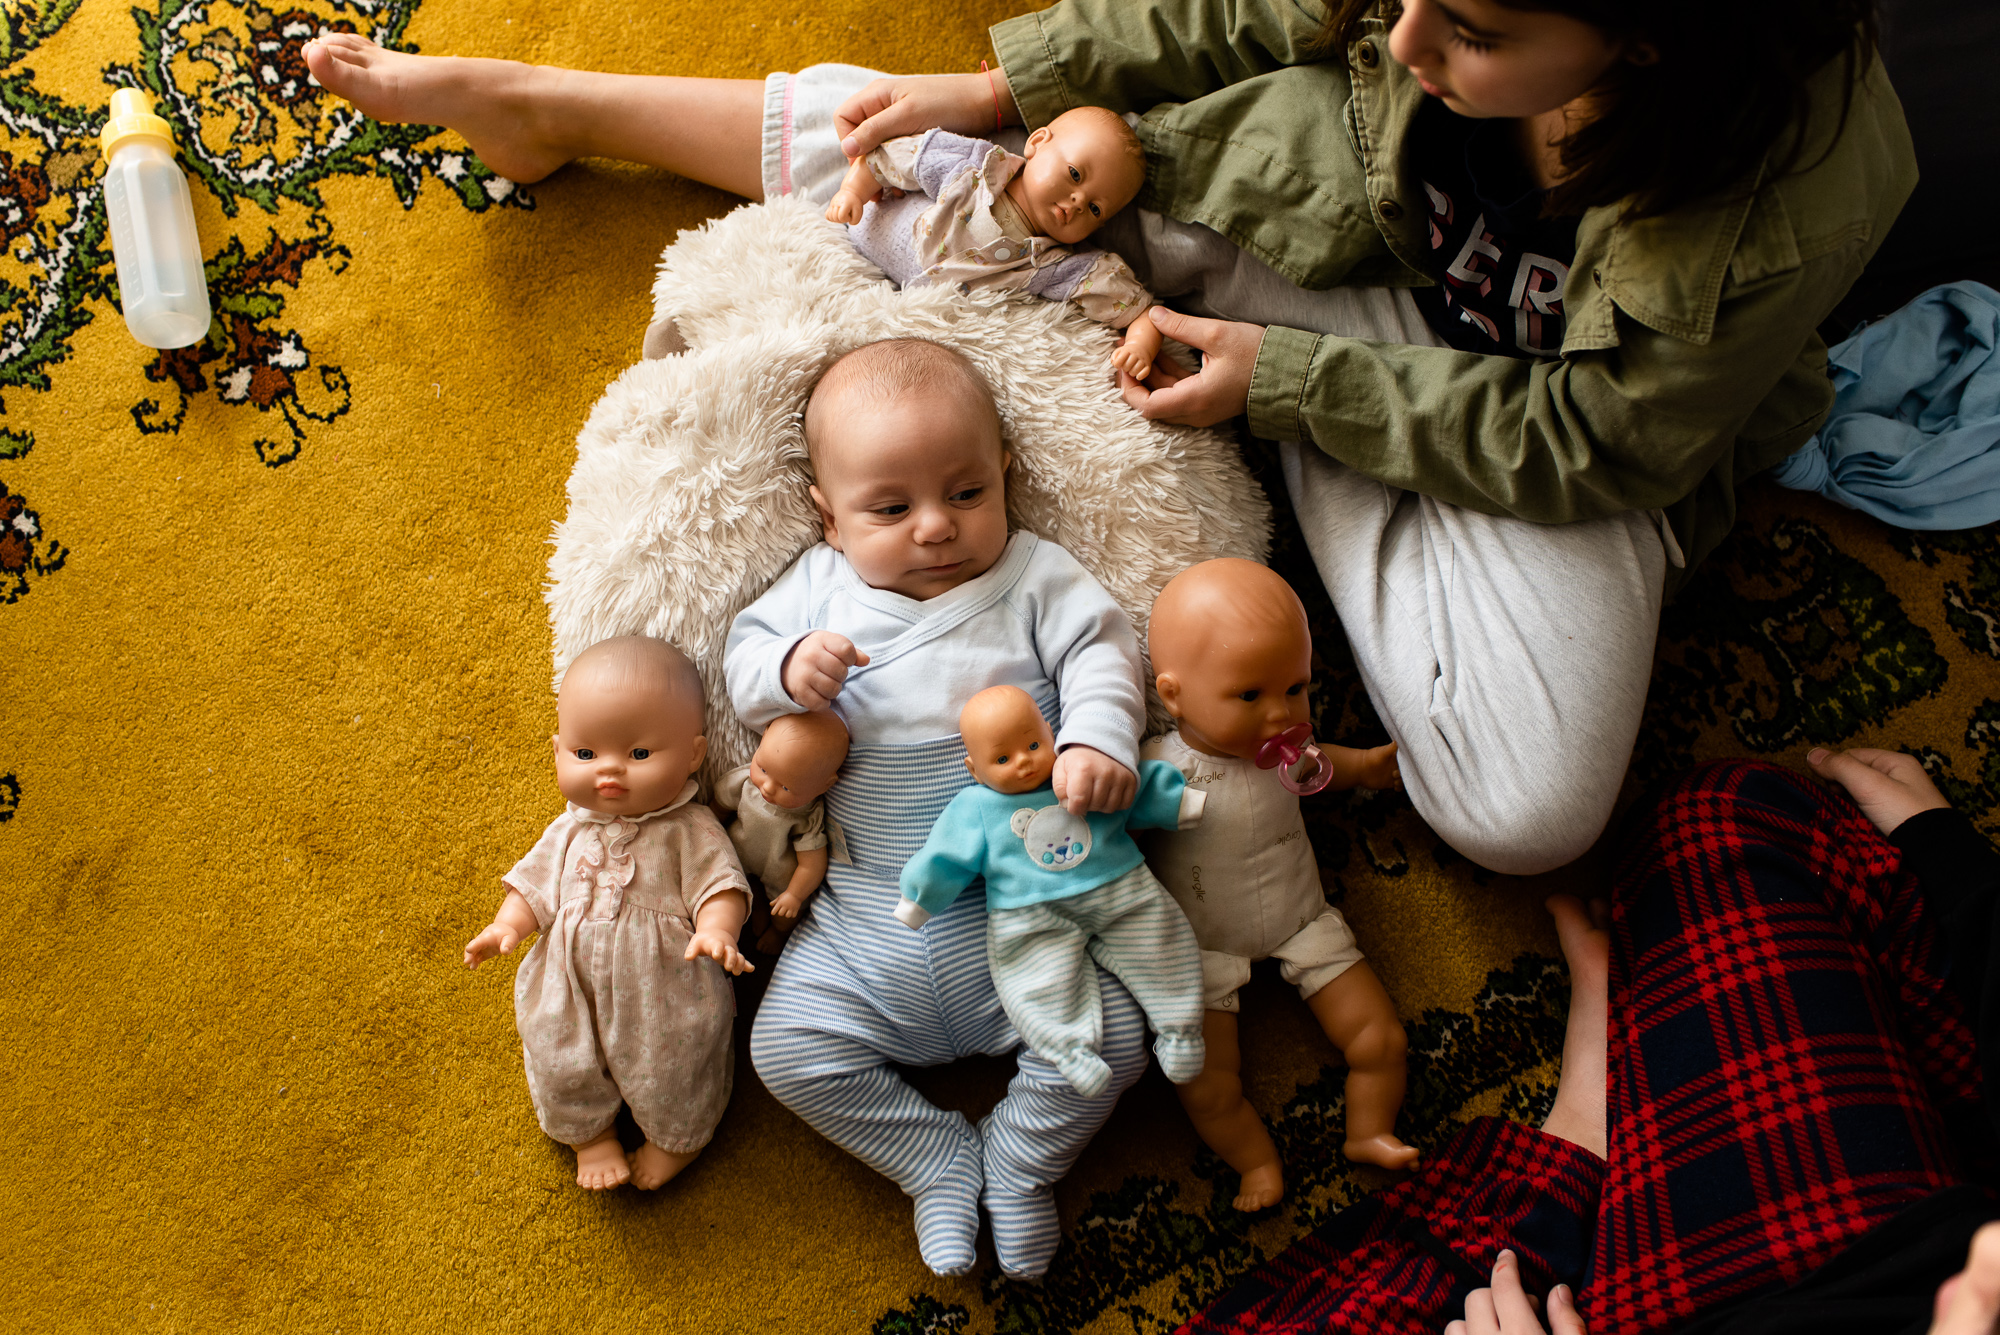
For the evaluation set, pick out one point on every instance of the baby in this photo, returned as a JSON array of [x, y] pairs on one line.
[[1058, 886], [918, 600], [780, 828], [1233, 653], [1010, 223], [638, 900]]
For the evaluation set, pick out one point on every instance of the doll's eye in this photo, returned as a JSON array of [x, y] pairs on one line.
[[1249, 695], [1296, 688], [1074, 175], [640, 753], [1034, 746], [1094, 213], [1001, 760], [585, 753]]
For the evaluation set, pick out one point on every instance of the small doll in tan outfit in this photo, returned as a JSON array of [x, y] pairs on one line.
[[781, 832], [968, 212], [638, 899], [1233, 656]]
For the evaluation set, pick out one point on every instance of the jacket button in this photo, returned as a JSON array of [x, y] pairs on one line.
[[1364, 55], [1389, 209]]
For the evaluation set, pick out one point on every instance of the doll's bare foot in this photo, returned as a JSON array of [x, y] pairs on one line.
[[496, 104], [1262, 1187], [601, 1164], [654, 1167], [771, 941], [1379, 768], [1578, 1114], [1382, 1151]]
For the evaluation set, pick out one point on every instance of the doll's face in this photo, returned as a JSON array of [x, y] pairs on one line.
[[913, 490], [1240, 688], [789, 774], [1079, 172], [1011, 750], [624, 747]]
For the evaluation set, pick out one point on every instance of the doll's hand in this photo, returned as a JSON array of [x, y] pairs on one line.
[[816, 668], [845, 209], [720, 948], [787, 905], [1888, 786], [1216, 393], [1135, 352], [1086, 779], [1132, 361], [497, 939]]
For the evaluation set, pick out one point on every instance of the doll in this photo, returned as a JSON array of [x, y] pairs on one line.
[[638, 900], [1010, 223], [1059, 885], [1233, 656], [781, 832]]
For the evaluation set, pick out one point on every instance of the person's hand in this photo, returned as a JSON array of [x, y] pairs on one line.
[[1085, 779], [1888, 786], [1969, 1302], [1216, 393], [1506, 1309], [888, 108], [816, 668], [497, 939], [787, 905], [720, 947]]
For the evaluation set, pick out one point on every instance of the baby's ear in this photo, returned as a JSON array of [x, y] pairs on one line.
[[829, 530]]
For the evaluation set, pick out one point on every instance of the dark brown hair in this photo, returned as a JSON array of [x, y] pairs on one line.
[[1728, 87]]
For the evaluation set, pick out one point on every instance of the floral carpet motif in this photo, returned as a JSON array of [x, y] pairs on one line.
[[277, 719]]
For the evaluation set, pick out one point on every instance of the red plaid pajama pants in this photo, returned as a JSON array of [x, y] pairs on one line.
[[1783, 1057]]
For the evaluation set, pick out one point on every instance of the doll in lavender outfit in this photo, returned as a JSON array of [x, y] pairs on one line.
[[969, 212]]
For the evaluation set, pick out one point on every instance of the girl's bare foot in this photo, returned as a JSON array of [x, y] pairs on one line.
[[653, 1166], [1382, 1151], [601, 1164], [496, 104], [1578, 1115], [1263, 1187]]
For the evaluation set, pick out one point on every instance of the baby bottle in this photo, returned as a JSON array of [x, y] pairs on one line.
[[152, 227]]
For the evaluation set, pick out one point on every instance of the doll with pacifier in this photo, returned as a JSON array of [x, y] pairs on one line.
[[1232, 654], [781, 833], [626, 997]]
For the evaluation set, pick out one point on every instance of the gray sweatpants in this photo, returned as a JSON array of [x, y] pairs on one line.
[[1508, 660]]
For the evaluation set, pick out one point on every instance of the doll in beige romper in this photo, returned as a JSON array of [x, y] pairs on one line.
[[1233, 656], [638, 899]]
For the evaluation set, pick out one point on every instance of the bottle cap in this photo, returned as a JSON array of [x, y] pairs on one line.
[[132, 118]]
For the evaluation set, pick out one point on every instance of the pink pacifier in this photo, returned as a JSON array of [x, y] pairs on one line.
[[1286, 751]]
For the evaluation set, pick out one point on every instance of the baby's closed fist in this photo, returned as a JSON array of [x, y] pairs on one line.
[[816, 668]]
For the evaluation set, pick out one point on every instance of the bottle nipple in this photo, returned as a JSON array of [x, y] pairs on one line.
[[132, 118]]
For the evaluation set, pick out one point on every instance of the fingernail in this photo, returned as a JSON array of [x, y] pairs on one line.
[[1816, 755], [1503, 1256]]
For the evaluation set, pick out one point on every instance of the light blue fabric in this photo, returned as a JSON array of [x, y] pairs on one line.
[[1914, 435]]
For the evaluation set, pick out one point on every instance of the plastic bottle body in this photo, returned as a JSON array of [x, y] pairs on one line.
[[160, 280]]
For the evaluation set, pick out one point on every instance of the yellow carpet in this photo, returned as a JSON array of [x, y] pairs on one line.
[[276, 723]]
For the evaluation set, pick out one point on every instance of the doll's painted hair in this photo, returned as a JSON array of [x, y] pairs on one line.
[[642, 659], [1127, 137], [897, 368]]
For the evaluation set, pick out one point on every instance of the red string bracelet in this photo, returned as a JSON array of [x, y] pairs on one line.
[[995, 90]]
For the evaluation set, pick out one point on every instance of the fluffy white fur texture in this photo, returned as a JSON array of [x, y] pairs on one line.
[[689, 494]]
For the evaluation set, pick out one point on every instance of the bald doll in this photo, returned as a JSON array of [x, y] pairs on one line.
[[626, 998], [1232, 654], [781, 833]]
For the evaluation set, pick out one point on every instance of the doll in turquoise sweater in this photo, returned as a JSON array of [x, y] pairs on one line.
[[1058, 885]]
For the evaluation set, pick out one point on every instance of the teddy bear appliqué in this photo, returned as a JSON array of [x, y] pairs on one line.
[[1055, 840]]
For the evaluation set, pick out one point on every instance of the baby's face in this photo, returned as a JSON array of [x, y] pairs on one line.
[[622, 749], [913, 492], [1078, 174], [1232, 697], [788, 776], [1012, 752]]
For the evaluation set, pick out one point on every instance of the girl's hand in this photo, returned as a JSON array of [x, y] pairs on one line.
[[1969, 1302], [889, 108], [1506, 1309], [497, 939], [720, 948], [1216, 393], [1888, 786]]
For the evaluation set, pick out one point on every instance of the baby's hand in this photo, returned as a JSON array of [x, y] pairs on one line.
[[816, 668], [497, 939], [787, 905], [720, 948], [1086, 779]]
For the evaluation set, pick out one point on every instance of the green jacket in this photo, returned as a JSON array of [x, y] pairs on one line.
[[1689, 360]]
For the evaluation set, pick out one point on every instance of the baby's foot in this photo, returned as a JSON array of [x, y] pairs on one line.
[[1262, 1187], [1026, 1230], [1382, 1151], [601, 1164], [653, 1167], [948, 1214], [493, 103]]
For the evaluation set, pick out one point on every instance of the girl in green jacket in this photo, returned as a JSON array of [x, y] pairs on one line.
[[1525, 293]]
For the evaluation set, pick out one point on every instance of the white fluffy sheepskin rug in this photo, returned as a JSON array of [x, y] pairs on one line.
[[689, 494]]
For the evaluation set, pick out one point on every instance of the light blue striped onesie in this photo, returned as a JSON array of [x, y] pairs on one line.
[[855, 990]]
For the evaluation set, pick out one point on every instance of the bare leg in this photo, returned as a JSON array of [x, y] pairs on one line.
[[1356, 1013], [1578, 1114], [524, 121], [600, 1161], [1224, 1119], [653, 1166]]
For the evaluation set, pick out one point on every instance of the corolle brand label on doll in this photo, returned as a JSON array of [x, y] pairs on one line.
[[1055, 839]]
